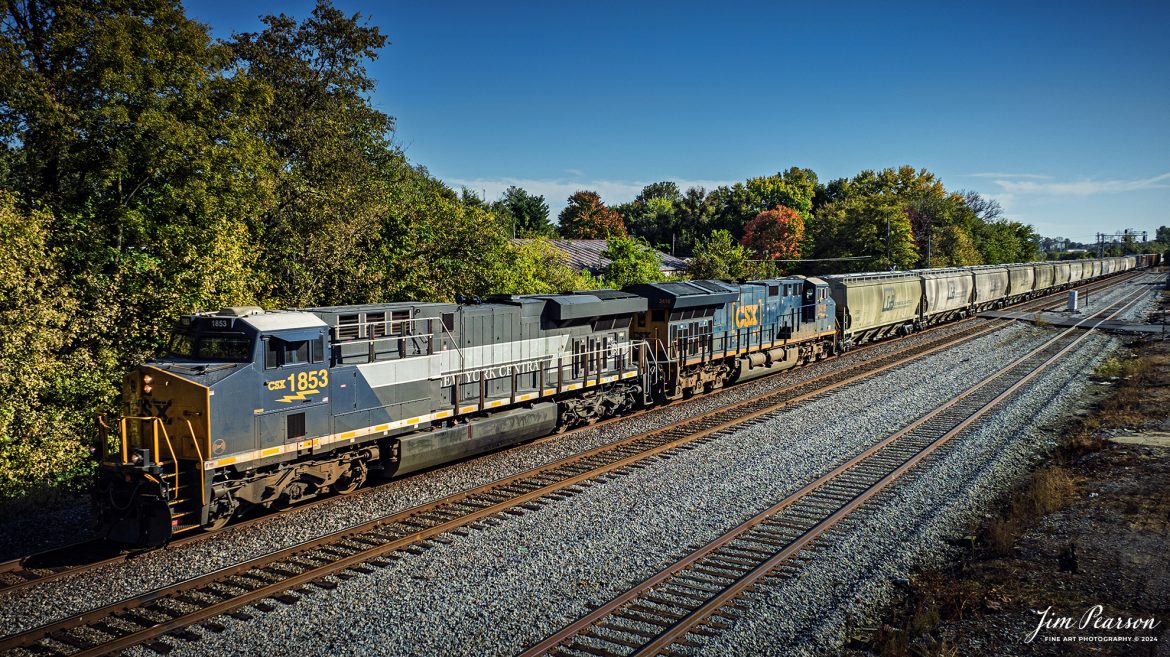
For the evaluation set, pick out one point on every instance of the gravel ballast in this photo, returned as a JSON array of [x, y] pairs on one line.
[[597, 543], [496, 591], [905, 530], [54, 600]]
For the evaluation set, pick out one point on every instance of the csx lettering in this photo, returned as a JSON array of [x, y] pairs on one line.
[[304, 382], [747, 316]]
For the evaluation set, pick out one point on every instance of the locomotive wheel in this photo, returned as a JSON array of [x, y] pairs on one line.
[[219, 523], [352, 480], [222, 514]]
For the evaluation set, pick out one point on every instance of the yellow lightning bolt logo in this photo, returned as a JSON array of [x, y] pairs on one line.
[[298, 397]]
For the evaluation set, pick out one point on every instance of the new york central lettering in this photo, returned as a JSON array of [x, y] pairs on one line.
[[496, 371]]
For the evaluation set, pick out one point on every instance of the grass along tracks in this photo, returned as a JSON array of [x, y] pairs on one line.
[[694, 597]]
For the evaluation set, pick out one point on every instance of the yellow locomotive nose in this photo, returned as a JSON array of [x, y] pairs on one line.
[[153, 485]]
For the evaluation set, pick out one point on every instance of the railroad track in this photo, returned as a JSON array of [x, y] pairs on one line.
[[53, 564], [288, 574], [696, 596]]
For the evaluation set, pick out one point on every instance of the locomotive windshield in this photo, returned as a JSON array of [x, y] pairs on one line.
[[230, 347]]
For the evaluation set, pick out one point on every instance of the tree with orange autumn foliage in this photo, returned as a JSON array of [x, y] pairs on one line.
[[587, 218], [775, 234]]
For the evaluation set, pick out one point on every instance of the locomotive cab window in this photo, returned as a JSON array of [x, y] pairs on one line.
[[278, 352], [296, 352], [182, 346], [230, 347]]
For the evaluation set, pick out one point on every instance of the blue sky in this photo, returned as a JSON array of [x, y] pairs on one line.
[[1059, 110]]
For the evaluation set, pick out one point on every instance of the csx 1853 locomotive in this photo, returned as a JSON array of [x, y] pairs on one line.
[[253, 408]]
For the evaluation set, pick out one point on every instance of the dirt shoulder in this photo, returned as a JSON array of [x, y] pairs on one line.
[[1077, 559]]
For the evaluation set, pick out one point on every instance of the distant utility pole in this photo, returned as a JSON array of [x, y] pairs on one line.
[[889, 255], [929, 236], [1126, 236]]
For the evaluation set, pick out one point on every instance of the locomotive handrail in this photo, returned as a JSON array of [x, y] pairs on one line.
[[385, 324], [155, 423], [170, 448], [104, 435], [199, 453]]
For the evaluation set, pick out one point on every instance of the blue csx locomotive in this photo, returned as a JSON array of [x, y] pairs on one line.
[[252, 408]]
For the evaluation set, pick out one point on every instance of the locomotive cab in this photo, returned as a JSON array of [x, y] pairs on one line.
[[187, 411]]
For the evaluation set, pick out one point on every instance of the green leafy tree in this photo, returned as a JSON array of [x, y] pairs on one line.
[[719, 257], [654, 214], [694, 220], [135, 135], [941, 223], [631, 260], [869, 227], [664, 190], [738, 204], [525, 214], [333, 152], [903, 184], [46, 396], [132, 129], [472, 199], [1005, 241], [586, 217], [436, 247], [1162, 234], [535, 266], [954, 247]]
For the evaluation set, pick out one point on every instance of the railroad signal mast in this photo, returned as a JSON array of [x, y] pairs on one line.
[[1127, 236]]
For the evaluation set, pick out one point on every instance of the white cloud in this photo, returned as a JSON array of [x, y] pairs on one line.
[[1035, 176], [557, 191], [1083, 187]]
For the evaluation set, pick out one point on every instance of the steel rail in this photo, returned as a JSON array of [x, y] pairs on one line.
[[22, 575], [686, 623], [692, 430]]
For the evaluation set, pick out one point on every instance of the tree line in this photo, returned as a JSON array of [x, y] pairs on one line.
[[896, 218], [148, 170]]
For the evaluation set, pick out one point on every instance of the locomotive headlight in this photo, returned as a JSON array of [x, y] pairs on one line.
[[146, 380], [146, 390]]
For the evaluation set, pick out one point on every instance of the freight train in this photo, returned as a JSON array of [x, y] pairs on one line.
[[259, 409]]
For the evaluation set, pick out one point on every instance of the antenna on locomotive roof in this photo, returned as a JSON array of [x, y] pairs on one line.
[[459, 299]]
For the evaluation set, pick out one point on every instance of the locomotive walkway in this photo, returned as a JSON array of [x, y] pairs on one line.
[[283, 575]]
